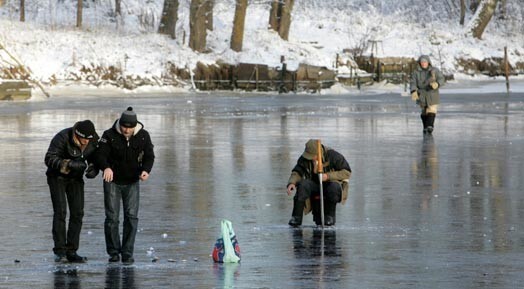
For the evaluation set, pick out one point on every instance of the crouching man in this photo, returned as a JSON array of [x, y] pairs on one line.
[[305, 184]]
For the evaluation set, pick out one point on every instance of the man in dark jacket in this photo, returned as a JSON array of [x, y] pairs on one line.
[[66, 162], [424, 86], [125, 156], [305, 182]]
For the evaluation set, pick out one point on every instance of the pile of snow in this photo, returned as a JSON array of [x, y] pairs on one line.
[[50, 45]]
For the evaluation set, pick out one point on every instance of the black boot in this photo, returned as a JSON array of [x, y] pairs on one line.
[[329, 213], [75, 258], [424, 118], [430, 121], [298, 212]]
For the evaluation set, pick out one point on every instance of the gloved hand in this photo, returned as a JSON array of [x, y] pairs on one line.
[[92, 171], [414, 95], [64, 166], [434, 85], [77, 166]]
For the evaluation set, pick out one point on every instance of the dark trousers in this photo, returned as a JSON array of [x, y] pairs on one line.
[[130, 195], [308, 189], [332, 191], [66, 192]]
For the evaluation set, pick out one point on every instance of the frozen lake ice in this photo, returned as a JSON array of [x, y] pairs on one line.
[[424, 212]]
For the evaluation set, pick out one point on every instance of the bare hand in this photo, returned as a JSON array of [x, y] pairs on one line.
[[291, 189], [414, 96], [144, 176], [325, 177], [108, 175]]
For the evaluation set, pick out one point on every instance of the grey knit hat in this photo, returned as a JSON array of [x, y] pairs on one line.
[[128, 118], [424, 58]]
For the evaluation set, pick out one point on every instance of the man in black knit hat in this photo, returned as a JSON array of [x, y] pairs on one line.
[[66, 162], [126, 157]]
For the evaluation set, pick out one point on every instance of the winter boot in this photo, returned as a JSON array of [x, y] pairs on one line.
[[424, 118], [329, 213], [298, 212], [430, 121]]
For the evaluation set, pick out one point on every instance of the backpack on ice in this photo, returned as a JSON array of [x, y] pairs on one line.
[[226, 248]]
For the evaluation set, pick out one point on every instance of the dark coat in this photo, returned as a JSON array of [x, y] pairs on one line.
[[335, 166], [63, 147], [127, 158], [420, 80]]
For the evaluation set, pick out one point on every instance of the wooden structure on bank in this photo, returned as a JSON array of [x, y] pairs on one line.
[[14, 90], [261, 77], [15, 77]]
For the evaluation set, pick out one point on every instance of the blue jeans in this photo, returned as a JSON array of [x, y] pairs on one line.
[[130, 195]]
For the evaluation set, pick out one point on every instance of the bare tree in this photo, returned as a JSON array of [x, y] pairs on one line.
[[503, 9], [274, 15], [473, 5], [462, 11], [237, 36], [118, 8], [169, 18], [280, 17], [482, 17], [22, 10], [197, 25], [285, 19], [79, 7], [209, 14]]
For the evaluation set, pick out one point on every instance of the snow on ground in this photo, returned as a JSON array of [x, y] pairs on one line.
[[49, 44]]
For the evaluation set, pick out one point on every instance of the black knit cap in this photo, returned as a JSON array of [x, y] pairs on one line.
[[85, 129], [128, 118]]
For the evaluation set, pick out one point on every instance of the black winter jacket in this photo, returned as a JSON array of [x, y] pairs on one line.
[[127, 158], [63, 147]]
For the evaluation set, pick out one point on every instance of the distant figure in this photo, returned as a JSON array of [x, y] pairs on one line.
[[424, 86], [66, 162], [305, 182], [125, 156]]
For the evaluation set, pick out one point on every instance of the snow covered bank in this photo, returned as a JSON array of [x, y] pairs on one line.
[[55, 51]]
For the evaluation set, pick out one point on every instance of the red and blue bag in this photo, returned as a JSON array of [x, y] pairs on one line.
[[226, 248]]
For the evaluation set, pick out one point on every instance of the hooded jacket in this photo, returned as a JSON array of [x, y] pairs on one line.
[[334, 165], [63, 147], [127, 158], [420, 80]]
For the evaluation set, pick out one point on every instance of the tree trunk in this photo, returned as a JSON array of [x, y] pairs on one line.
[[169, 18], [209, 14], [22, 10], [503, 9], [473, 5], [237, 36], [481, 19], [285, 18], [197, 25], [462, 11], [118, 8], [79, 6], [274, 15]]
